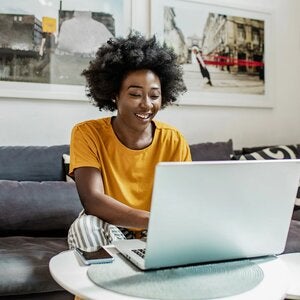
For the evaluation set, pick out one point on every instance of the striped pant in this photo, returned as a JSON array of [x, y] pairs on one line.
[[89, 233]]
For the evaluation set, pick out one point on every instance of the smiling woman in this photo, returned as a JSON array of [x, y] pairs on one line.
[[113, 159]]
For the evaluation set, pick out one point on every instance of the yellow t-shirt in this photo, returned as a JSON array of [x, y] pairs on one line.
[[127, 174]]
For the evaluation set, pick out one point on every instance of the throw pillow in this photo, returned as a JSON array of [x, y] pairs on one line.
[[276, 152], [27, 163], [212, 151], [66, 158]]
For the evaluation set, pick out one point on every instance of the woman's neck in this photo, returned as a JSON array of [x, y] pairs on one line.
[[132, 138]]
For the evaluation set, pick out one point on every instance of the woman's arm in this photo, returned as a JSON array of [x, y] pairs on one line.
[[91, 192]]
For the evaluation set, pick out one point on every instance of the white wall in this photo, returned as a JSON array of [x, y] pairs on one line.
[[48, 122]]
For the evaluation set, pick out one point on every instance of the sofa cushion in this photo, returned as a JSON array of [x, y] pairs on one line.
[[212, 151], [32, 163], [37, 208], [24, 261]]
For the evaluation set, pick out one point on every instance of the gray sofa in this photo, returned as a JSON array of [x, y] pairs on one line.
[[37, 206]]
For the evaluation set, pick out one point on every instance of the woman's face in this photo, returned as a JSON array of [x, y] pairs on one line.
[[139, 98]]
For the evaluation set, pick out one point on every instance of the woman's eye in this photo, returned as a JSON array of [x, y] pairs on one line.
[[155, 96], [135, 95]]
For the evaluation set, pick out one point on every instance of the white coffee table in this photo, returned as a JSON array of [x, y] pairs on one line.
[[71, 274], [292, 261]]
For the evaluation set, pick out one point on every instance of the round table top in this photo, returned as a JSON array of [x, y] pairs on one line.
[[69, 272]]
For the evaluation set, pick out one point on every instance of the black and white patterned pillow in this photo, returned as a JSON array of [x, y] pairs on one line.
[[276, 152], [66, 158]]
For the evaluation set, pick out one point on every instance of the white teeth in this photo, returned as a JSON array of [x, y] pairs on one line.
[[143, 116]]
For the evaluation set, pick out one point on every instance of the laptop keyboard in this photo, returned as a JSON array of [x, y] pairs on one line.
[[140, 252]]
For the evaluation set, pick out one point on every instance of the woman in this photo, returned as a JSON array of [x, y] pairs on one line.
[[113, 159], [203, 69]]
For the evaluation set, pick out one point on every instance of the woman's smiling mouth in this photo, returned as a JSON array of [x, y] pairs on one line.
[[144, 116]]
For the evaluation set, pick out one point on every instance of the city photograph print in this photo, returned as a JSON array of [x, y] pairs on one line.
[[46, 44], [224, 51]]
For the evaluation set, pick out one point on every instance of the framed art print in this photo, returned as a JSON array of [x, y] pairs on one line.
[[46, 44], [225, 51]]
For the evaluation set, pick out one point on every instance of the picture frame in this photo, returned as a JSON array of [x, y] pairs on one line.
[[48, 64], [236, 64]]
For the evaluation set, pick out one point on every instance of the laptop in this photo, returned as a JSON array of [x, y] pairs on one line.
[[216, 211]]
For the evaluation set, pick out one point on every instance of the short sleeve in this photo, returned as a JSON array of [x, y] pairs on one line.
[[185, 152], [83, 151]]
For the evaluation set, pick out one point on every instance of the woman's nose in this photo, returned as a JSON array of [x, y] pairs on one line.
[[146, 102]]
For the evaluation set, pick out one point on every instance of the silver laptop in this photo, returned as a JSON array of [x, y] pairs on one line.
[[215, 211]]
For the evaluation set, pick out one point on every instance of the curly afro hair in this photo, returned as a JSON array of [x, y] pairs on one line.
[[121, 55]]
